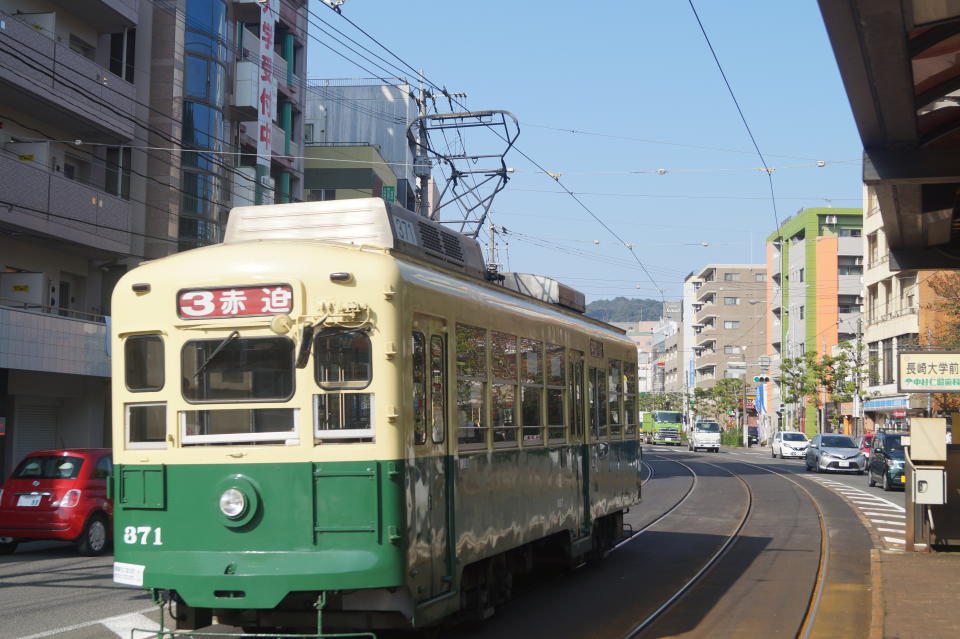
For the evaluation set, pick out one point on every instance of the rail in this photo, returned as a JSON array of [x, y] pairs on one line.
[[55, 311]]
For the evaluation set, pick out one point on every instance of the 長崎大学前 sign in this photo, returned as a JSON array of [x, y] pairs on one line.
[[929, 372]]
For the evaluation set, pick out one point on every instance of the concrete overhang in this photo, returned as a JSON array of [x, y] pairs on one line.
[[900, 65]]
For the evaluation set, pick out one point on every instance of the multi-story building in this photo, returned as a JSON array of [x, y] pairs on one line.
[[814, 288], [641, 333], [898, 313], [666, 346], [128, 128], [728, 328]]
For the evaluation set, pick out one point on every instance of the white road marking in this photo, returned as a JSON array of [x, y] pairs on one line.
[[885, 521], [894, 540], [123, 626], [59, 631], [898, 530], [884, 514]]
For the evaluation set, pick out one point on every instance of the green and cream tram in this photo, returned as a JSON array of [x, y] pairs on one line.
[[338, 408]]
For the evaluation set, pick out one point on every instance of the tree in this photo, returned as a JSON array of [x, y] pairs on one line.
[[943, 328], [623, 309], [797, 379]]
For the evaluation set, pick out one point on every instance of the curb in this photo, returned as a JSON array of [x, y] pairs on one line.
[[876, 597]]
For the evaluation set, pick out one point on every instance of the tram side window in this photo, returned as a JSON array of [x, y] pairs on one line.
[[145, 425], [438, 389], [503, 361], [342, 359], [344, 416], [614, 390], [555, 368], [419, 389], [143, 363], [471, 387], [531, 378], [630, 400]]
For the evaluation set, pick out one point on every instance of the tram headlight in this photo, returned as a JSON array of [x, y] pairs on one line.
[[233, 503]]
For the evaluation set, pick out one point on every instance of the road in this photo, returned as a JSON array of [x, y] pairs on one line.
[[756, 517]]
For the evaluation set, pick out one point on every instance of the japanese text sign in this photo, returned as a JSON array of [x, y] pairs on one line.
[[929, 372], [267, 83], [243, 301]]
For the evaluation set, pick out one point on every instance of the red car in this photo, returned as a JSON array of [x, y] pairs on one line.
[[58, 494], [865, 443]]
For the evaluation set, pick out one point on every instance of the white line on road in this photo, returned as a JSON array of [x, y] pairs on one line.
[[894, 540], [899, 530], [123, 626], [58, 631], [885, 521], [884, 514]]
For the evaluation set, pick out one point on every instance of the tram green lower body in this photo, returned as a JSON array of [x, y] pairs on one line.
[[348, 526]]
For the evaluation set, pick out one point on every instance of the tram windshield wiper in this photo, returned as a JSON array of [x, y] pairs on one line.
[[229, 338]]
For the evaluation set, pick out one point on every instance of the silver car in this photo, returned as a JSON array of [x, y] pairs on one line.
[[835, 453]]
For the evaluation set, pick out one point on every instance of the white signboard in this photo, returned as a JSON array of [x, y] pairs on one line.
[[267, 85]]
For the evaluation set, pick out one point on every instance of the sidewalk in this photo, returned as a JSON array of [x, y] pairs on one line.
[[917, 595]]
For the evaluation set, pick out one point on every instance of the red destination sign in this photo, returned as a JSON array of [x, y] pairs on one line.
[[242, 301]]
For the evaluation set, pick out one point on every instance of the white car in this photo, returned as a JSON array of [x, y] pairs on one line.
[[789, 444]]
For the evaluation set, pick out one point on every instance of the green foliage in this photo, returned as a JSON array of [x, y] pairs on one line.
[[623, 309], [717, 401], [732, 438], [649, 402]]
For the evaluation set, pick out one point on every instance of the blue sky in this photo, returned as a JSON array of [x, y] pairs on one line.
[[637, 81]]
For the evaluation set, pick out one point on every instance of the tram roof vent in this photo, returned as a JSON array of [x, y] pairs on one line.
[[368, 221], [545, 289]]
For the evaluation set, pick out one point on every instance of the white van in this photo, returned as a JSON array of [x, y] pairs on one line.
[[705, 435]]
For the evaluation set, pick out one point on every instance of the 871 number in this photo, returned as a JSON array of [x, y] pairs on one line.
[[142, 535]]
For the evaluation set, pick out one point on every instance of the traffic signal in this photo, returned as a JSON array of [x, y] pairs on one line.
[[761, 378]]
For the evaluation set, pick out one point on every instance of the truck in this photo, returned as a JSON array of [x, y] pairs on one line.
[[662, 427], [705, 435]]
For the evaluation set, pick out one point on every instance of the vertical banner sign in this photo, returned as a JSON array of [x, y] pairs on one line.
[[267, 85]]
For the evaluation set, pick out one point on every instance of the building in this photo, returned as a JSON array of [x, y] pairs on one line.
[[355, 132], [898, 313], [814, 288], [666, 347], [641, 333], [727, 325], [129, 129]]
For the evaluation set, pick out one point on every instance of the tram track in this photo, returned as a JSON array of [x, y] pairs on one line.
[[673, 602]]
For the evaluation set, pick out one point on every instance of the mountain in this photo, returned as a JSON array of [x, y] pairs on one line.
[[623, 309]]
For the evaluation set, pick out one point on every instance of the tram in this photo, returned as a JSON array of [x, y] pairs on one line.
[[340, 408]]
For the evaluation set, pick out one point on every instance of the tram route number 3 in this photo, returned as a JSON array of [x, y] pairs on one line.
[[142, 535]]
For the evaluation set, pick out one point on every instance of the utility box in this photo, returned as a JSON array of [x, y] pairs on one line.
[[928, 439], [929, 486]]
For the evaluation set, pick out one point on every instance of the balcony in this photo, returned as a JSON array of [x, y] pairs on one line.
[[108, 16], [52, 82], [36, 341], [59, 207]]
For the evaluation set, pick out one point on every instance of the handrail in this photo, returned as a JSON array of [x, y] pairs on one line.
[[55, 311]]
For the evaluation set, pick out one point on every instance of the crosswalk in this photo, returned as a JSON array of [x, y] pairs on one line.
[[886, 517]]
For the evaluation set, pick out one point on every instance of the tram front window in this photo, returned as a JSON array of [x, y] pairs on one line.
[[244, 370]]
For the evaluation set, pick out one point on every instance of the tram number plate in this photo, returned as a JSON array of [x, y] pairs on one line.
[[844, 464], [28, 500]]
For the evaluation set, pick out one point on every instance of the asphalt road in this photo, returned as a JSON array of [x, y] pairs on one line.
[[760, 587]]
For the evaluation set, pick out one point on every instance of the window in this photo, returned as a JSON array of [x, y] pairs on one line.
[[344, 416], [630, 400], [503, 365], [731, 350], [801, 312], [759, 277], [237, 369], [800, 274], [873, 362], [471, 386], [419, 389], [438, 389], [731, 323], [145, 425], [342, 359], [122, 49], [104, 467], [143, 363], [731, 277], [850, 232], [731, 301], [232, 426], [117, 172], [531, 378], [887, 360], [555, 368], [614, 391]]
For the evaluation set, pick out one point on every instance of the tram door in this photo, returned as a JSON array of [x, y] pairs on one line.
[[578, 435], [434, 477]]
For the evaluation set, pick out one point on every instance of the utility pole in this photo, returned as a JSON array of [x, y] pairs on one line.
[[421, 163], [492, 253], [743, 412]]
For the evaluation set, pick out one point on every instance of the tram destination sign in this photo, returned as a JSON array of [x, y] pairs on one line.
[[928, 372], [237, 301]]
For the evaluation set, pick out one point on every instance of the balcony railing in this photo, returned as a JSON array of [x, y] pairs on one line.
[[35, 340], [877, 318]]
